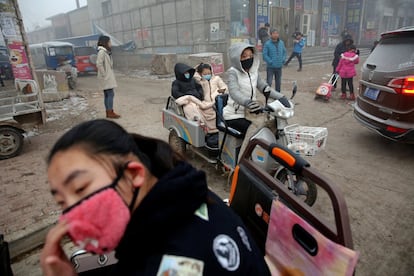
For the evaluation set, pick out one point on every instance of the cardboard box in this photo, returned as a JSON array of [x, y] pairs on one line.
[[214, 59]]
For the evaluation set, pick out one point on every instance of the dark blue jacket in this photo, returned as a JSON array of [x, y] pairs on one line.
[[274, 53], [180, 222]]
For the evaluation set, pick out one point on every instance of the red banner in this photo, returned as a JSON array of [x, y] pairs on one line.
[[19, 61]]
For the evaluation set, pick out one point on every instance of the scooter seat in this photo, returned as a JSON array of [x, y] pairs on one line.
[[221, 101]]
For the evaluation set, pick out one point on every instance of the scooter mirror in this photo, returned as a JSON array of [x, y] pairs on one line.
[[294, 90]]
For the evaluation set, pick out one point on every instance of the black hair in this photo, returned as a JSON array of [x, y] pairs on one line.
[[103, 41], [267, 25], [203, 66], [107, 137], [351, 47]]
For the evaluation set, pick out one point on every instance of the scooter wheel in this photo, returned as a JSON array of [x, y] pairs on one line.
[[178, 144], [301, 186]]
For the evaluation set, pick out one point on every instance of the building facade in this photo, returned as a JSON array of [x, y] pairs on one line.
[[191, 26]]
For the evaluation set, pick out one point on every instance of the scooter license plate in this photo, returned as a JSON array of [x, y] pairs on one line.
[[371, 93]]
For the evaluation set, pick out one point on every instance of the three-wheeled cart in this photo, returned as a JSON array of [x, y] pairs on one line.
[[20, 108]]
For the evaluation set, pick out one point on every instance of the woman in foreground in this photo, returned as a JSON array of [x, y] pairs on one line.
[[133, 194]]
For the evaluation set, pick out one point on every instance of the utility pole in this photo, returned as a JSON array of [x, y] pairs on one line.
[[15, 35]]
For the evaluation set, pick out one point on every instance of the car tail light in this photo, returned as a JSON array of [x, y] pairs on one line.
[[403, 85], [396, 129]]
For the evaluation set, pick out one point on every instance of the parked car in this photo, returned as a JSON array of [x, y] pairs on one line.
[[85, 59], [385, 102]]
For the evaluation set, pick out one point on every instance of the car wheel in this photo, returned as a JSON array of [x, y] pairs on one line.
[[301, 186], [178, 144], [11, 142]]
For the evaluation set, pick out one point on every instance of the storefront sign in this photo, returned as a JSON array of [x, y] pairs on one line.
[[299, 4], [326, 9], [262, 13], [353, 17]]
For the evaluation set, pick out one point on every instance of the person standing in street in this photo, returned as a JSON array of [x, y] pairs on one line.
[[274, 54], [346, 70], [298, 44], [263, 33], [339, 50], [106, 75]]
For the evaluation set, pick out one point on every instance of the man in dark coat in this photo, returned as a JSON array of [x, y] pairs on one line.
[[184, 83], [340, 49], [263, 33]]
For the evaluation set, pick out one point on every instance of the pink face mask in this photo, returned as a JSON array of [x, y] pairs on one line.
[[98, 222]]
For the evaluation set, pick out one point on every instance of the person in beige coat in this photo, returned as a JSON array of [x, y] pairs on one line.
[[106, 75]]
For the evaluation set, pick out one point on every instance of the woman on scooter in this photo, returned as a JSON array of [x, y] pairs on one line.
[[243, 108], [134, 194]]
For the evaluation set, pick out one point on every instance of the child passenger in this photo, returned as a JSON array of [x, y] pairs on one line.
[[346, 70], [213, 85], [189, 94]]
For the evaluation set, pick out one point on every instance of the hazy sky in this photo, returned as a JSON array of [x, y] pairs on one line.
[[34, 12]]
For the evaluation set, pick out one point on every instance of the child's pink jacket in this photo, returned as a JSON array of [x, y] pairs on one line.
[[346, 66]]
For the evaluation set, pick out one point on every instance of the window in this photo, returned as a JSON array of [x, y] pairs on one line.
[[106, 8], [240, 18], [52, 52]]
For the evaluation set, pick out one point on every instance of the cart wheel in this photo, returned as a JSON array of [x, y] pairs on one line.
[[301, 186], [176, 142], [11, 142]]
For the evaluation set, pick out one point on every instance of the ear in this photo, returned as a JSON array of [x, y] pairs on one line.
[[137, 172]]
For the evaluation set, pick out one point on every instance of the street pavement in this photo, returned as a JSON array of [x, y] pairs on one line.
[[27, 209]]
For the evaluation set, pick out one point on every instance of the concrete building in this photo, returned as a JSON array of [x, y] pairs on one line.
[[182, 26], [191, 26], [63, 25]]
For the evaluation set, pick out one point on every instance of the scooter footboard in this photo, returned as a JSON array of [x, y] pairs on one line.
[[173, 119], [286, 229]]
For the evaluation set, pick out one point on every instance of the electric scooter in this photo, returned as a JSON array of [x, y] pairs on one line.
[[186, 134]]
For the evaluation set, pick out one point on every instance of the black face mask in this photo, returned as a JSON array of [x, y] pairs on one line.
[[247, 63]]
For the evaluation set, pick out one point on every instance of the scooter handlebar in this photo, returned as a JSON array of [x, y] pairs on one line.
[[287, 158]]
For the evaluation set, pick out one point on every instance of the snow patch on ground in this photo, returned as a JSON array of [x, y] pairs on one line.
[[72, 106]]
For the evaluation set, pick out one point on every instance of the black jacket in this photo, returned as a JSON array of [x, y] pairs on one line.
[[182, 86], [165, 231], [340, 49], [263, 35]]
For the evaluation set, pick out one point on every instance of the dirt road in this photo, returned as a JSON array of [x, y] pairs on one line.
[[376, 175]]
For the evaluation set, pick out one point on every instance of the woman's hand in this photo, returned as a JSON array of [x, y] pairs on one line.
[[53, 259]]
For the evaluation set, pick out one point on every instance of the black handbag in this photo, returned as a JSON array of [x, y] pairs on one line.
[[5, 268], [88, 264]]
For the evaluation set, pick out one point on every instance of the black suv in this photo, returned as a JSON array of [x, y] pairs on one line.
[[385, 102]]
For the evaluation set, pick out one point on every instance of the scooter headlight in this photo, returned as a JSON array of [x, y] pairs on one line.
[[285, 114]]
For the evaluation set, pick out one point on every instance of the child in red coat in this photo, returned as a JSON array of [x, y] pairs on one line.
[[346, 70]]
